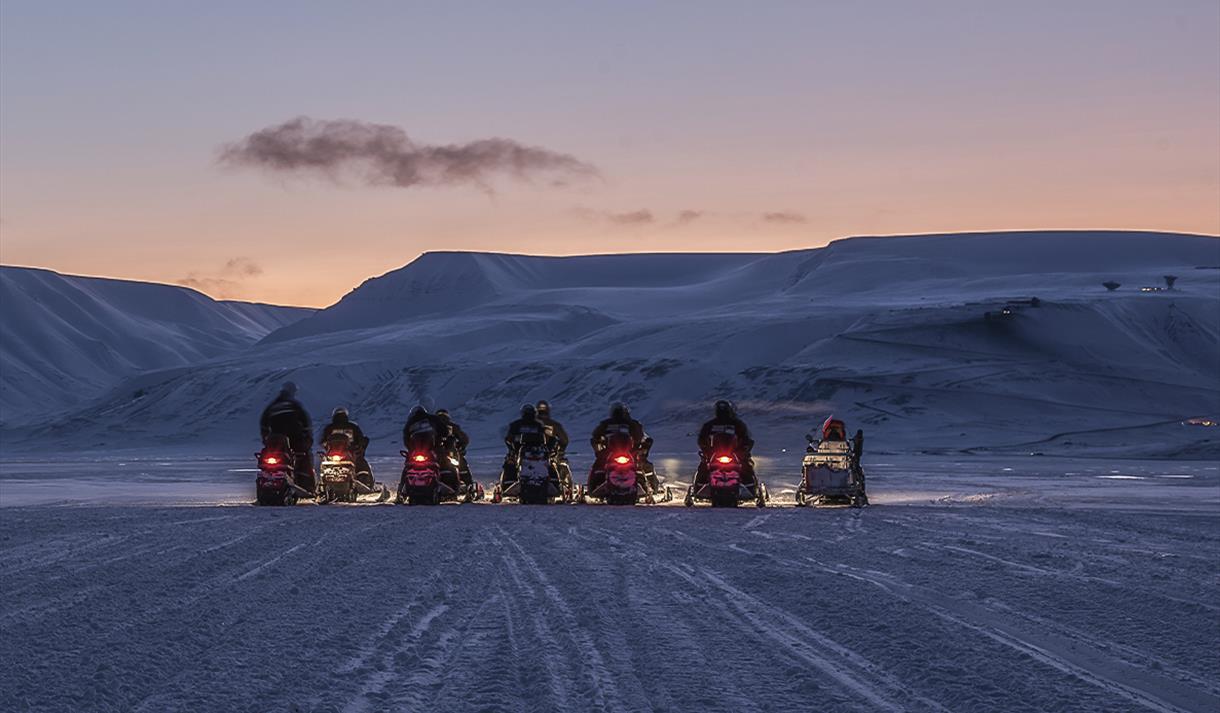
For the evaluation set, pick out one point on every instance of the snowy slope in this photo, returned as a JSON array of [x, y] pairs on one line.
[[888, 332], [65, 339]]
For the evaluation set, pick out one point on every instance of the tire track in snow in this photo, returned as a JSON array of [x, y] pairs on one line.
[[272, 561], [412, 675], [1130, 653], [1073, 575], [369, 695], [865, 681], [1076, 658], [1080, 661], [606, 694], [516, 626]]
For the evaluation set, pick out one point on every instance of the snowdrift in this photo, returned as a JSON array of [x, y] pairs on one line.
[[990, 341]]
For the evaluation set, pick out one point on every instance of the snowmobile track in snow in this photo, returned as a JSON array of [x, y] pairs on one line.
[[347, 610]]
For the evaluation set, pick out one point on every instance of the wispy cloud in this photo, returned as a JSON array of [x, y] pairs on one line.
[[384, 155], [641, 217], [635, 217], [784, 217], [224, 281]]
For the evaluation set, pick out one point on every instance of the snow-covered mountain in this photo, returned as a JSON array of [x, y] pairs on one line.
[[892, 333], [65, 339]]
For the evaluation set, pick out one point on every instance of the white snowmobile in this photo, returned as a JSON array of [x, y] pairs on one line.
[[831, 472]]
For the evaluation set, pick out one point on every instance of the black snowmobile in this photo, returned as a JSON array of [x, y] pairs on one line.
[[431, 480], [623, 474], [725, 485], [284, 477], [531, 475]]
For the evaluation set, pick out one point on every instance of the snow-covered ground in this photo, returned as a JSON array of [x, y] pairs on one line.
[[972, 584], [907, 337], [998, 569]]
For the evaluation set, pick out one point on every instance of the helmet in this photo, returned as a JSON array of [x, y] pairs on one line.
[[443, 414], [619, 410], [417, 412], [544, 408], [339, 414], [289, 389], [724, 409], [529, 412]]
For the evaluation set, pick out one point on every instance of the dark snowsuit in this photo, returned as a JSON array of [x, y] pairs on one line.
[[456, 441], [557, 432], [559, 436], [602, 433], [286, 416], [523, 431], [730, 426], [424, 427]]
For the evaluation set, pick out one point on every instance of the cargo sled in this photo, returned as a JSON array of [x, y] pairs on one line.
[[831, 472]]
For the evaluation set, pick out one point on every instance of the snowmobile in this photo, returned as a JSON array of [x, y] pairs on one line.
[[337, 469], [364, 483], [724, 486], [531, 476], [426, 481], [626, 476], [276, 483], [831, 472]]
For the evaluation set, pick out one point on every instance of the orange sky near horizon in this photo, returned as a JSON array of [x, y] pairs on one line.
[[780, 128]]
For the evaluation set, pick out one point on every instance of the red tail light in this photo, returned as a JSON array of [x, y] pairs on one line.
[[271, 460], [724, 459], [622, 460], [333, 457], [419, 457]]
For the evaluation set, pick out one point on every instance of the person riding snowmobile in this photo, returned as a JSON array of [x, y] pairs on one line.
[[619, 422], [554, 429], [521, 431], [725, 422], [423, 429], [833, 429], [455, 442], [286, 417], [559, 435], [340, 422]]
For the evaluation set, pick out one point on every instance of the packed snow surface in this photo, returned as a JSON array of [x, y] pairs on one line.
[[971, 584]]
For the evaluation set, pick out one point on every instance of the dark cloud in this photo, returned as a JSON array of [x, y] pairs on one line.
[[636, 217], [687, 217], [226, 280], [784, 217], [379, 154]]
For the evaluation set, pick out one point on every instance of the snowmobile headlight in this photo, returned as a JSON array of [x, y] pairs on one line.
[[622, 460], [334, 457], [419, 457], [271, 460], [724, 459]]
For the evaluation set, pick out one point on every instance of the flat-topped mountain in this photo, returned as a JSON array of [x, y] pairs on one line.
[[982, 340]]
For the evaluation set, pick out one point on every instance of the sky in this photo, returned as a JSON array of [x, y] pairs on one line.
[[286, 151]]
